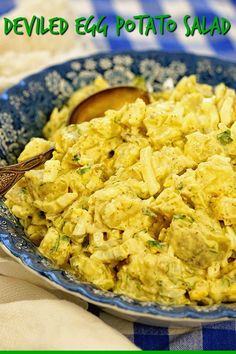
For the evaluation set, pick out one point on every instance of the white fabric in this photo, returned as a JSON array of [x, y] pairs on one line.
[[23, 55], [36, 316], [33, 314], [55, 324]]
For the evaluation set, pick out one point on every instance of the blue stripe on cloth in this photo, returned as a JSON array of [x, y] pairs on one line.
[[219, 339], [231, 325], [105, 8], [151, 338], [169, 40], [6, 6], [221, 44]]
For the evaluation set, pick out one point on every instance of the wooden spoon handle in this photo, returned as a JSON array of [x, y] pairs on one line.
[[9, 175]]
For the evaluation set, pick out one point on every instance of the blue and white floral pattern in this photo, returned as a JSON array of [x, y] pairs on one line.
[[24, 109]]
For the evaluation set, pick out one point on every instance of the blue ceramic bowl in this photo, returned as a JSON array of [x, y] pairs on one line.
[[24, 110]]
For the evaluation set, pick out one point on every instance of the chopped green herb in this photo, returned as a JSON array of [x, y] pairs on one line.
[[59, 239], [185, 283], [233, 255], [183, 217], [65, 238], [225, 282], [24, 190], [149, 212], [212, 250], [154, 243], [225, 137], [83, 170], [76, 158], [139, 82], [63, 224], [180, 186], [179, 216], [142, 230], [117, 120], [138, 285], [55, 247]]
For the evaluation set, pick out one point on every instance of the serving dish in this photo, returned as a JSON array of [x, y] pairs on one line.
[[24, 110]]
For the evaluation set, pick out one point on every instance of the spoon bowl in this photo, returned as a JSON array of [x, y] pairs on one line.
[[112, 98]]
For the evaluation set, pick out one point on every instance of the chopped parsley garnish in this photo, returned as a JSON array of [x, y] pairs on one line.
[[83, 170], [183, 217], [117, 120], [149, 212], [225, 137], [154, 243], [76, 158], [213, 250], [65, 238], [55, 247], [24, 190], [185, 283], [138, 285], [59, 239], [179, 216], [180, 186], [139, 82], [190, 219]]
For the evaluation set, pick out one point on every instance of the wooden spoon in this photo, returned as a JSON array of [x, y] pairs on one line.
[[112, 98]]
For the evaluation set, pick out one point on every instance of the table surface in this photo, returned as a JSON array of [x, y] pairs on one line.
[[211, 337]]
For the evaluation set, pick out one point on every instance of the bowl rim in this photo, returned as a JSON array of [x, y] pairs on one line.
[[107, 54], [118, 303]]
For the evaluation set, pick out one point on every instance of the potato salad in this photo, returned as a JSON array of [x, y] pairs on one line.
[[142, 201]]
